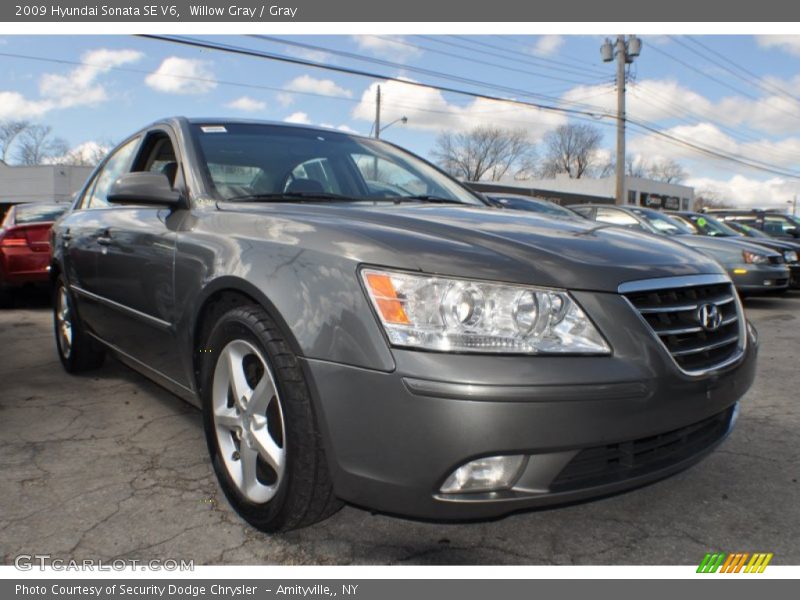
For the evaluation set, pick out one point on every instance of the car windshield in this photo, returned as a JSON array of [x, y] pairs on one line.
[[37, 213], [710, 226], [661, 223], [246, 161], [535, 205]]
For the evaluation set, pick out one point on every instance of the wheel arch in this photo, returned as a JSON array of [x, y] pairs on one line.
[[220, 296]]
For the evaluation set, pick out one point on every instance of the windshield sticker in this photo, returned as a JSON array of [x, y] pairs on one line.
[[214, 129]]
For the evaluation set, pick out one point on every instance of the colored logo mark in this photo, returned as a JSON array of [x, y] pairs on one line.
[[736, 562]]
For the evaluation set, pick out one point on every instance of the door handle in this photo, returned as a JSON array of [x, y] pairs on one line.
[[104, 238]]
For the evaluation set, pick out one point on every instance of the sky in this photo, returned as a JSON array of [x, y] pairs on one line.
[[736, 94]]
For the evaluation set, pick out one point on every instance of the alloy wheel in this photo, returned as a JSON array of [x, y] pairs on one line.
[[64, 322], [248, 421]]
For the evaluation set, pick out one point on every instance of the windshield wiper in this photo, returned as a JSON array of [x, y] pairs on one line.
[[292, 197], [424, 198]]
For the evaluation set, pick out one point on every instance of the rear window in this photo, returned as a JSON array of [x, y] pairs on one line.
[[33, 213]]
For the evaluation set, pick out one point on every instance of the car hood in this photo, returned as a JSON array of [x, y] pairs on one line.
[[487, 243], [723, 244]]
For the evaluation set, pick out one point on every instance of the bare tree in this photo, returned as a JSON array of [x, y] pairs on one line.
[[711, 199], [9, 132], [483, 152], [86, 155], [572, 149], [36, 145], [667, 171]]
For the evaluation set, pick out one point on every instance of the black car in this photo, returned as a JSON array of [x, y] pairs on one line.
[[356, 325], [706, 224], [773, 224]]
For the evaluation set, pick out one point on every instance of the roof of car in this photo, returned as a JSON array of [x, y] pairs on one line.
[[226, 120]]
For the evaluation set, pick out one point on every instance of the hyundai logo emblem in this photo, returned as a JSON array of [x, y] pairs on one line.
[[709, 317]]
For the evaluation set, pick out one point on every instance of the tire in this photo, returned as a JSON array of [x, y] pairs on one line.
[[6, 299], [76, 349], [260, 426]]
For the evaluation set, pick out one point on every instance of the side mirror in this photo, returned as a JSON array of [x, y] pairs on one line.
[[792, 231], [143, 187]]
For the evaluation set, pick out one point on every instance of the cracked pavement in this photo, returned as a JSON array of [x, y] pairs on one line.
[[109, 465]]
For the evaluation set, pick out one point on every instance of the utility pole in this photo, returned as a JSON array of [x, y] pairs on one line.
[[378, 113], [625, 51]]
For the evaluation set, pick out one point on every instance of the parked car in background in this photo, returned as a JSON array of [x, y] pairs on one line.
[[417, 353], [705, 224], [527, 203], [753, 269], [25, 246], [772, 223]]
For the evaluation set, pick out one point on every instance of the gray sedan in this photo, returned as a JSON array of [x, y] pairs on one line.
[[358, 326], [753, 268]]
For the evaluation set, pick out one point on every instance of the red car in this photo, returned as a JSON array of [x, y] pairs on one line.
[[25, 245]]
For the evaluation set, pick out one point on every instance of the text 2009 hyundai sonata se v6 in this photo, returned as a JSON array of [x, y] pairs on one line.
[[357, 326]]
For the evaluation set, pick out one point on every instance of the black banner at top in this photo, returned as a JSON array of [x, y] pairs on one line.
[[265, 11]]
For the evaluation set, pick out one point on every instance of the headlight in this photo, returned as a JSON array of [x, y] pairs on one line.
[[461, 315], [754, 258], [790, 256]]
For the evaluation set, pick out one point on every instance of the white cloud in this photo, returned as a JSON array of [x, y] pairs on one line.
[[76, 87], [428, 109], [788, 43], [247, 104], [298, 117], [14, 105], [547, 45], [743, 191], [345, 128], [178, 75], [664, 99], [324, 87], [86, 153], [391, 47]]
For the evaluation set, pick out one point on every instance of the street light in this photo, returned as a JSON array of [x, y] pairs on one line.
[[625, 51], [402, 120]]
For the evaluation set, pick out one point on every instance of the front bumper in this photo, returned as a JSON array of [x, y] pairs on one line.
[[794, 276], [393, 438], [754, 279]]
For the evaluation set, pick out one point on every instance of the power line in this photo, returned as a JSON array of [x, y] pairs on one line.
[[242, 51], [749, 76], [560, 67], [757, 165], [406, 67], [576, 61]]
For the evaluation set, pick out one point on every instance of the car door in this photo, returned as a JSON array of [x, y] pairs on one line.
[[135, 270], [81, 232]]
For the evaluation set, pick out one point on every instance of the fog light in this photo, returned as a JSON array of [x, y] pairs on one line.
[[488, 474]]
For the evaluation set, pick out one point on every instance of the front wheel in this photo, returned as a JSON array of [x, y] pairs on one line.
[[260, 425], [76, 349]]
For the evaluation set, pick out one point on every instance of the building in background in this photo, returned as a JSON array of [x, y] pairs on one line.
[[565, 190], [39, 183]]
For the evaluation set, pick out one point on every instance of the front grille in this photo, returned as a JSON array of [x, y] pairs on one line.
[[612, 463], [673, 314]]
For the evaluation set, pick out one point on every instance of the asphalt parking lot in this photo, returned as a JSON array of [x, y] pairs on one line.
[[111, 466]]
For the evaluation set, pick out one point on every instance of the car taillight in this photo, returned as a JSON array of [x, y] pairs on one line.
[[13, 238]]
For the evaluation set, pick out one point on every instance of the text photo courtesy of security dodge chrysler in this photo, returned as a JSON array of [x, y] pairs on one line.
[[357, 326]]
